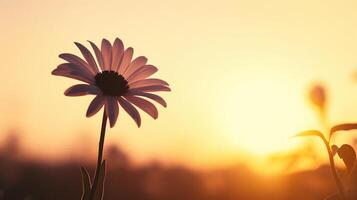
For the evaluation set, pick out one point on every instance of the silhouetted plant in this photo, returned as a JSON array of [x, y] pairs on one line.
[[346, 153], [118, 80]]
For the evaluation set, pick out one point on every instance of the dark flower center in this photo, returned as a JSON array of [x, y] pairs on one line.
[[111, 83]]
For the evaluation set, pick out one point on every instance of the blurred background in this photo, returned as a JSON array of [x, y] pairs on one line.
[[245, 77]]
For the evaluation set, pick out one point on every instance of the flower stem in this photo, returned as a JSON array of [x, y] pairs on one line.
[[334, 171], [100, 155]]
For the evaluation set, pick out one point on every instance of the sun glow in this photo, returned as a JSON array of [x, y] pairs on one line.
[[262, 114]]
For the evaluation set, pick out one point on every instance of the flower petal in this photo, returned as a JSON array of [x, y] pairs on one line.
[[117, 53], [88, 56], [125, 61], [144, 105], [74, 68], [142, 73], [98, 54], [81, 89], [154, 97], [73, 75], [147, 82], [77, 61], [154, 88], [112, 110], [106, 50], [134, 65], [131, 110], [71, 71], [96, 104]]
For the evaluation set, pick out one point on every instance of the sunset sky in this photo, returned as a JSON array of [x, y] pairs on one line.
[[239, 73]]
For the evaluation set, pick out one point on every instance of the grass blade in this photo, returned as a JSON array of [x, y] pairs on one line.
[[98, 194], [86, 183], [310, 133]]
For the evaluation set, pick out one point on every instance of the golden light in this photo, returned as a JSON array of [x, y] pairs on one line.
[[239, 74], [262, 112]]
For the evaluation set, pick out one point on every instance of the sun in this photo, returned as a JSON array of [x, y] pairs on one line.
[[260, 115]]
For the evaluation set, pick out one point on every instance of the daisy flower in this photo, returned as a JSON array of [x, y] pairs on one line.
[[115, 78]]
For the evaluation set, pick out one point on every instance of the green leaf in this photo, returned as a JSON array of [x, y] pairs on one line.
[[98, 195], [343, 127], [348, 155], [310, 133], [86, 183]]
